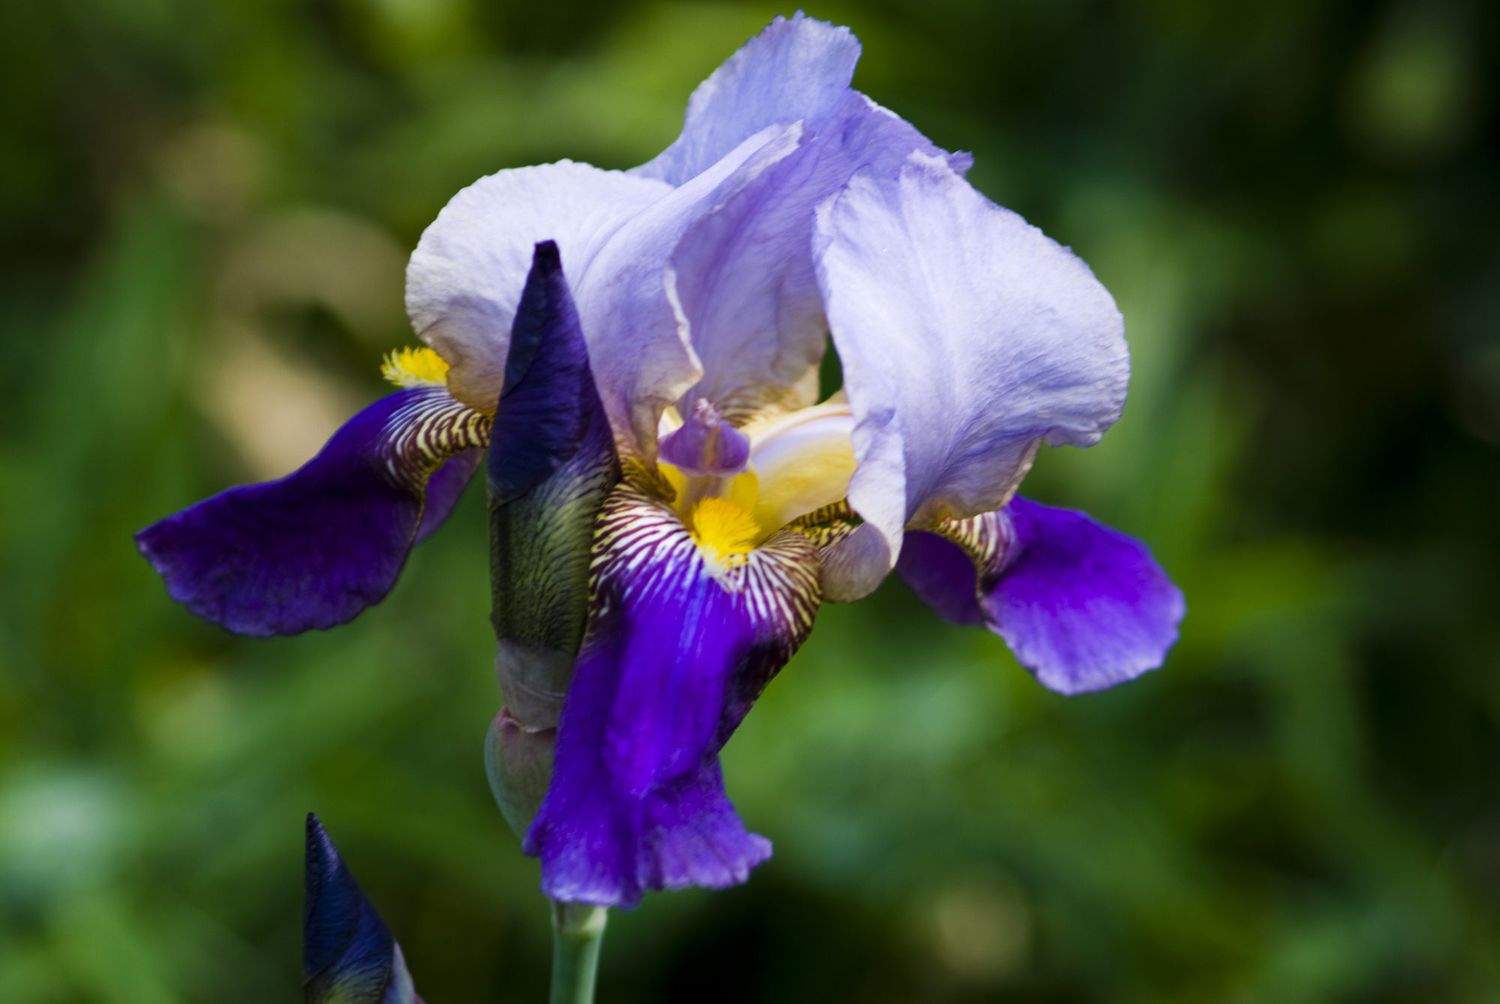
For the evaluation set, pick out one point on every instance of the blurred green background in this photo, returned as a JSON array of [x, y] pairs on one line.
[[207, 209]]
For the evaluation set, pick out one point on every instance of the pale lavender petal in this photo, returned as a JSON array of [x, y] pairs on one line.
[[967, 338], [466, 274], [637, 338], [743, 275], [1082, 606], [315, 548], [615, 232], [795, 69], [677, 651]]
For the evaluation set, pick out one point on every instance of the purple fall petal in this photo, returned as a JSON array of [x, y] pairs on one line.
[[939, 572], [313, 549], [676, 653], [1082, 606], [689, 827], [445, 487], [609, 830]]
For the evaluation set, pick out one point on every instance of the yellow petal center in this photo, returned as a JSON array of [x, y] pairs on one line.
[[723, 529], [799, 463], [409, 367]]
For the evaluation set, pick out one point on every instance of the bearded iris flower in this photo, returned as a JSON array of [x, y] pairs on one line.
[[638, 352]]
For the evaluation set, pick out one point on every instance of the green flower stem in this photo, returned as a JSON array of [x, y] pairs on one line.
[[577, 933]]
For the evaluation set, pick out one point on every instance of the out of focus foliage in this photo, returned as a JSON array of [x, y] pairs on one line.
[[206, 210]]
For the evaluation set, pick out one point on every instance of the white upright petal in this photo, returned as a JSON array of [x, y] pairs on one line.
[[967, 339]]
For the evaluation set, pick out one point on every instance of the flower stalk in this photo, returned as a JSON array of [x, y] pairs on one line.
[[577, 934]]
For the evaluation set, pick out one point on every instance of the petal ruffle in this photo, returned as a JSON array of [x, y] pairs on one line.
[[677, 652], [967, 338], [348, 954], [313, 549], [1082, 606], [796, 69]]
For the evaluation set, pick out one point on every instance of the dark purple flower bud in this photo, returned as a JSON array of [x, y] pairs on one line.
[[552, 461], [348, 955]]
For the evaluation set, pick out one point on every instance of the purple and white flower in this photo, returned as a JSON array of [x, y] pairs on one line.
[[653, 429]]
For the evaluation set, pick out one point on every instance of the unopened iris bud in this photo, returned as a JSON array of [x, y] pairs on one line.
[[552, 461], [348, 955]]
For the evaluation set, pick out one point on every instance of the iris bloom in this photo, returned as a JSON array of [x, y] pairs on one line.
[[656, 385]]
